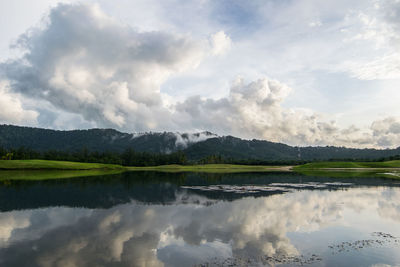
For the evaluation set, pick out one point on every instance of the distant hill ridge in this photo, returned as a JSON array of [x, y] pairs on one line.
[[195, 145]]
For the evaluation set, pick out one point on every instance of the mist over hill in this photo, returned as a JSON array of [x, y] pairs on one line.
[[195, 145]]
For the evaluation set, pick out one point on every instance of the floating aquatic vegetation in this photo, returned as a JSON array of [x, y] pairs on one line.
[[299, 260], [380, 240], [273, 187]]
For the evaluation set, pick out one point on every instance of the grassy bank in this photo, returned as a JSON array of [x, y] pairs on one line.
[[37, 175], [349, 165], [54, 165], [214, 168], [341, 169], [46, 169], [351, 173], [67, 165]]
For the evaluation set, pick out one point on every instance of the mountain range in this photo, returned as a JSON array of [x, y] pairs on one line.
[[195, 145]]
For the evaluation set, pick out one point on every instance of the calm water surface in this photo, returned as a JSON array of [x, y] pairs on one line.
[[155, 219]]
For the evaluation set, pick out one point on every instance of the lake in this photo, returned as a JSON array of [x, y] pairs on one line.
[[191, 219]]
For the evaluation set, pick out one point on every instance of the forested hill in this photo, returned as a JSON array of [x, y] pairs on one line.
[[195, 146], [237, 148], [100, 140]]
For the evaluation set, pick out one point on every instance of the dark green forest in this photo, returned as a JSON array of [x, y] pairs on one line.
[[127, 158], [133, 158], [149, 149]]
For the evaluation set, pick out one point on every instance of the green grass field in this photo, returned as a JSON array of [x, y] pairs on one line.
[[349, 165], [213, 168], [348, 173], [45, 169], [53, 165], [67, 165], [37, 175]]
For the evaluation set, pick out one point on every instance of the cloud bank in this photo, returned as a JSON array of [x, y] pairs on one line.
[[12, 110], [87, 64]]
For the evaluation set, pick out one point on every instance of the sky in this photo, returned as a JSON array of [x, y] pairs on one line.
[[301, 72]]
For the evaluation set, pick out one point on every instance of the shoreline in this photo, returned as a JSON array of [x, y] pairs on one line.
[[34, 169]]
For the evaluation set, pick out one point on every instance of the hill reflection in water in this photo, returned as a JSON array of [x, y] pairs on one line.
[[183, 220]]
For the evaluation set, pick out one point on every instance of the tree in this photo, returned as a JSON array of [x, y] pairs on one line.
[[8, 156]]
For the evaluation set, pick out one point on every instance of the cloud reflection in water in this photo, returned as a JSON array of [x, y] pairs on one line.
[[184, 234]]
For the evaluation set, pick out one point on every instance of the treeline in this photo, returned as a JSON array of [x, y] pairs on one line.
[[131, 157], [128, 158], [218, 159]]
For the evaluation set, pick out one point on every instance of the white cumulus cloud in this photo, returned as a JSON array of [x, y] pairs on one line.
[[12, 109], [220, 43], [85, 62], [101, 72]]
